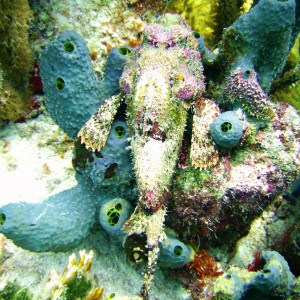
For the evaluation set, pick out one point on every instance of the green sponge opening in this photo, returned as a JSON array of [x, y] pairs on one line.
[[226, 126], [246, 74], [113, 215], [60, 84], [2, 218], [119, 131], [124, 51], [69, 47], [196, 34], [178, 250]]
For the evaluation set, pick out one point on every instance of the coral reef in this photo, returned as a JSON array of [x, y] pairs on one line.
[[151, 131], [182, 174], [218, 205]]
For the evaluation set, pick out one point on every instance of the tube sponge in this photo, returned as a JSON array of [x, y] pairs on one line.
[[227, 129], [267, 44], [116, 61], [110, 169], [173, 253], [73, 93], [69, 82], [274, 280], [58, 224], [113, 214]]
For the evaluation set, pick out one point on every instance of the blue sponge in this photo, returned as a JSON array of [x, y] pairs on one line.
[[173, 253], [275, 276], [116, 61], [58, 224], [226, 130], [264, 36], [274, 281], [70, 84], [111, 169], [64, 220]]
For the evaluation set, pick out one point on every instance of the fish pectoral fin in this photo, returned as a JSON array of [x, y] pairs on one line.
[[137, 223], [204, 153], [149, 223], [95, 131]]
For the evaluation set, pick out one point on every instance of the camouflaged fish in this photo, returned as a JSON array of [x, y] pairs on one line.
[[161, 83]]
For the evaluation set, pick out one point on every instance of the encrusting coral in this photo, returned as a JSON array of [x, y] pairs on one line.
[[204, 153], [241, 88]]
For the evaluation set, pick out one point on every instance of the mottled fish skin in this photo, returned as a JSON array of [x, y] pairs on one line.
[[160, 84]]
